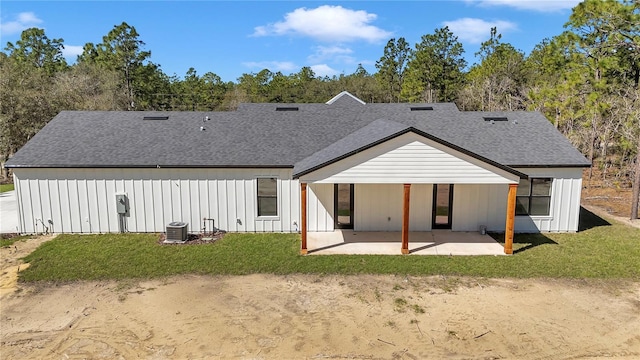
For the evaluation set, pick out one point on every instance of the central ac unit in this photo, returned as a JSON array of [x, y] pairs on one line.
[[177, 231]]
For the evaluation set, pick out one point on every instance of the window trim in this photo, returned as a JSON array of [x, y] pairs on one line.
[[277, 196], [530, 196]]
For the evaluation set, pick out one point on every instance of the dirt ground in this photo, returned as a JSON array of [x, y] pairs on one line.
[[316, 317], [609, 198]]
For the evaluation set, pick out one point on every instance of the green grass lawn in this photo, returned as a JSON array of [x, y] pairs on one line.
[[6, 187], [608, 251]]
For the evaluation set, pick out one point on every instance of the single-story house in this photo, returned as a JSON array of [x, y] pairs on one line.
[[300, 168]]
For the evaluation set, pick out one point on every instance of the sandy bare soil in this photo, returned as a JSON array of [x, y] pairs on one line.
[[318, 317]]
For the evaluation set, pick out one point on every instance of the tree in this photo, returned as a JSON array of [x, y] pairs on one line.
[[606, 35], [254, 87], [496, 83], [635, 193], [35, 49], [88, 87], [549, 87], [26, 104], [391, 67], [435, 69], [27, 100], [121, 50]]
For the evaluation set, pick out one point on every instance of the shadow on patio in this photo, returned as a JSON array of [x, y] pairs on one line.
[[437, 242]]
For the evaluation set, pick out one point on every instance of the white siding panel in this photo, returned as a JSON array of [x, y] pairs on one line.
[[54, 205], [83, 206], [320, 207], [17, 182], [141, 204], [27, 201], [101, 205], [411, 158], [44, 205], [74, 206], [286, 222], [565, 202], [476, 205], [167, 200], [149, 205], [110, 199], [83, 200], [420, 207], [378, 207]]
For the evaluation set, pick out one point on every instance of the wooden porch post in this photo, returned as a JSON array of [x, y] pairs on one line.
[[303, 210], [405, 219], [511, 212]]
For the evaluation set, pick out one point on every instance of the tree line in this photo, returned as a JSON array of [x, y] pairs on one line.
[[584, 80]]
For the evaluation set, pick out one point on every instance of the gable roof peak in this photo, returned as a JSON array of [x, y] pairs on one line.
[[343, 94]]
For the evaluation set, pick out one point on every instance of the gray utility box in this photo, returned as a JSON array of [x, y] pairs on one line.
[[122, 204], [177, 231]]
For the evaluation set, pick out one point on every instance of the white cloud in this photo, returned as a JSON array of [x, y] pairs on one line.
[[475, 31], [274, 66], [72, 51], [22, 22], [535, 5], [327, 23], [322, 70], [333, 53]]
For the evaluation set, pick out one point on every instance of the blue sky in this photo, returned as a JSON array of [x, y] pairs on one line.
[[230, 38]]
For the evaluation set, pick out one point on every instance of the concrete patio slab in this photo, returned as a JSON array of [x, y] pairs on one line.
[[437, 242]]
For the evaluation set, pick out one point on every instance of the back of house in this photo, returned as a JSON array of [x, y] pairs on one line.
[[269, 167]]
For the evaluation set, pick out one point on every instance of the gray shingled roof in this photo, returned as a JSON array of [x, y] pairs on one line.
[[256, 135]]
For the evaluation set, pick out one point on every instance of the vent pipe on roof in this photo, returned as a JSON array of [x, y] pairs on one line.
[[204, 120]]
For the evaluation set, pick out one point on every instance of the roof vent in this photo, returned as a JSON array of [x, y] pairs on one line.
[[493, 118], [155, 118], [421, 108], [285, 108]]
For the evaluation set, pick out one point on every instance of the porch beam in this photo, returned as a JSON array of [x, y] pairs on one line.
[[303, 220], [405, 219], [511, 213]]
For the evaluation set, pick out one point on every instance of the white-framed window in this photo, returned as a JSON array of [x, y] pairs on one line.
[[267, 196], [534, 197]]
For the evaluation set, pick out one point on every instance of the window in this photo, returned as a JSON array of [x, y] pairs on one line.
[[534, 197], [267, 197]]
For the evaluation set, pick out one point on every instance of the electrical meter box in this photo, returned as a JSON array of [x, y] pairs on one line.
[[122, 203]]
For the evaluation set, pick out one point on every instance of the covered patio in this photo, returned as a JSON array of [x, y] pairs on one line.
[[436, 242], [397, 192]]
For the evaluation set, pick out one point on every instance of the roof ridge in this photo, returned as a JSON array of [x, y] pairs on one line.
[[345, 93]]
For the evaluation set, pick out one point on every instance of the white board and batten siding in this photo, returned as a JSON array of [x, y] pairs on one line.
[[377, 207], [475, 205], [320, 207], [83, 200], [565, 202]]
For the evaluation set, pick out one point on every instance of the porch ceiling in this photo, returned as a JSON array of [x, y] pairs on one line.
[[436, 242]]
